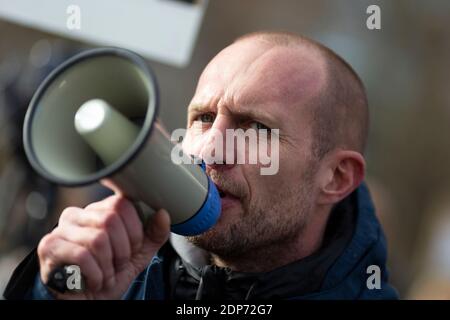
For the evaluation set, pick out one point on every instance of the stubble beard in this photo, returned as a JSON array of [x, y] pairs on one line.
[[269, 221]]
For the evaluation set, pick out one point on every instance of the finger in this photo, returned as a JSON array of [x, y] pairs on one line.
[[115, 229], [108, 183], [97, 242], [128, 215], [54, 251], [69, 214], [102, 204], [131, 221]]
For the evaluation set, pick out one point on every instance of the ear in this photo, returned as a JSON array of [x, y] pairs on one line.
[[341, 173]]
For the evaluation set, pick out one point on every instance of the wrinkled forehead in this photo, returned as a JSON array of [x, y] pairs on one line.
[[258, 72]]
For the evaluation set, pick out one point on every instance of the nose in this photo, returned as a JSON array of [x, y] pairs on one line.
[[217, 152]]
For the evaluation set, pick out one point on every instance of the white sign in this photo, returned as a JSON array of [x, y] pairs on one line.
[[163, 30]]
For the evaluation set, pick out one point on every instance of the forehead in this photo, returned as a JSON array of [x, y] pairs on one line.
[[256, 73]]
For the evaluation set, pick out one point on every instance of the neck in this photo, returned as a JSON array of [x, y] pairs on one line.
[[279, 254]]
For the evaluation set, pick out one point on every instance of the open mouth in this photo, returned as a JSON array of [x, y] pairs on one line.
[[225, 194], [228, 200], [222, 193]]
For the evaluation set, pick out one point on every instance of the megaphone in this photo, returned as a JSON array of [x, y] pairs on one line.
[[95, 117]]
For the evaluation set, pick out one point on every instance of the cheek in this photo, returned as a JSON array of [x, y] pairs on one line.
[[194, 141], [292, 167], [297, 171], [293, 159], [264, 189]]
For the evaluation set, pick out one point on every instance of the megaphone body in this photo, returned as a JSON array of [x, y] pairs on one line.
[[95, 117]]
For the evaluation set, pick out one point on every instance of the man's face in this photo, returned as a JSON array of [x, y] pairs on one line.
[[253, 85]]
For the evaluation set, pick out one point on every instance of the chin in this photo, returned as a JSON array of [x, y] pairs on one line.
[[218, 233]]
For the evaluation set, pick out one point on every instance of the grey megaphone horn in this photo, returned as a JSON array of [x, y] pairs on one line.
[[95, 117]]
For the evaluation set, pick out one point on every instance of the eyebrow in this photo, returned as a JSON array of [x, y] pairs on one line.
[[255, 114]]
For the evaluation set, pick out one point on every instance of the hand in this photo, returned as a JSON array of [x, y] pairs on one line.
[[107, 241]]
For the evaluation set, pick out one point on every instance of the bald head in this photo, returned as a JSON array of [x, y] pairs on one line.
[[339, 110]]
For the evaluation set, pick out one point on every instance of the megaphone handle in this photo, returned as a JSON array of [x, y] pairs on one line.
[[59, 276]]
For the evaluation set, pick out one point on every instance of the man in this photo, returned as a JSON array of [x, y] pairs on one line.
[[307, 232]]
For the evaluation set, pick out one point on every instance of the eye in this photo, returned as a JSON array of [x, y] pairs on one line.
[[258, 126], [205, 117]]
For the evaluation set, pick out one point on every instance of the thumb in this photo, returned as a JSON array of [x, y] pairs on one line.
[[157, 230]]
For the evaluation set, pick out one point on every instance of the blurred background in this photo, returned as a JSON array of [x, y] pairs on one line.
[[405, 67]]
